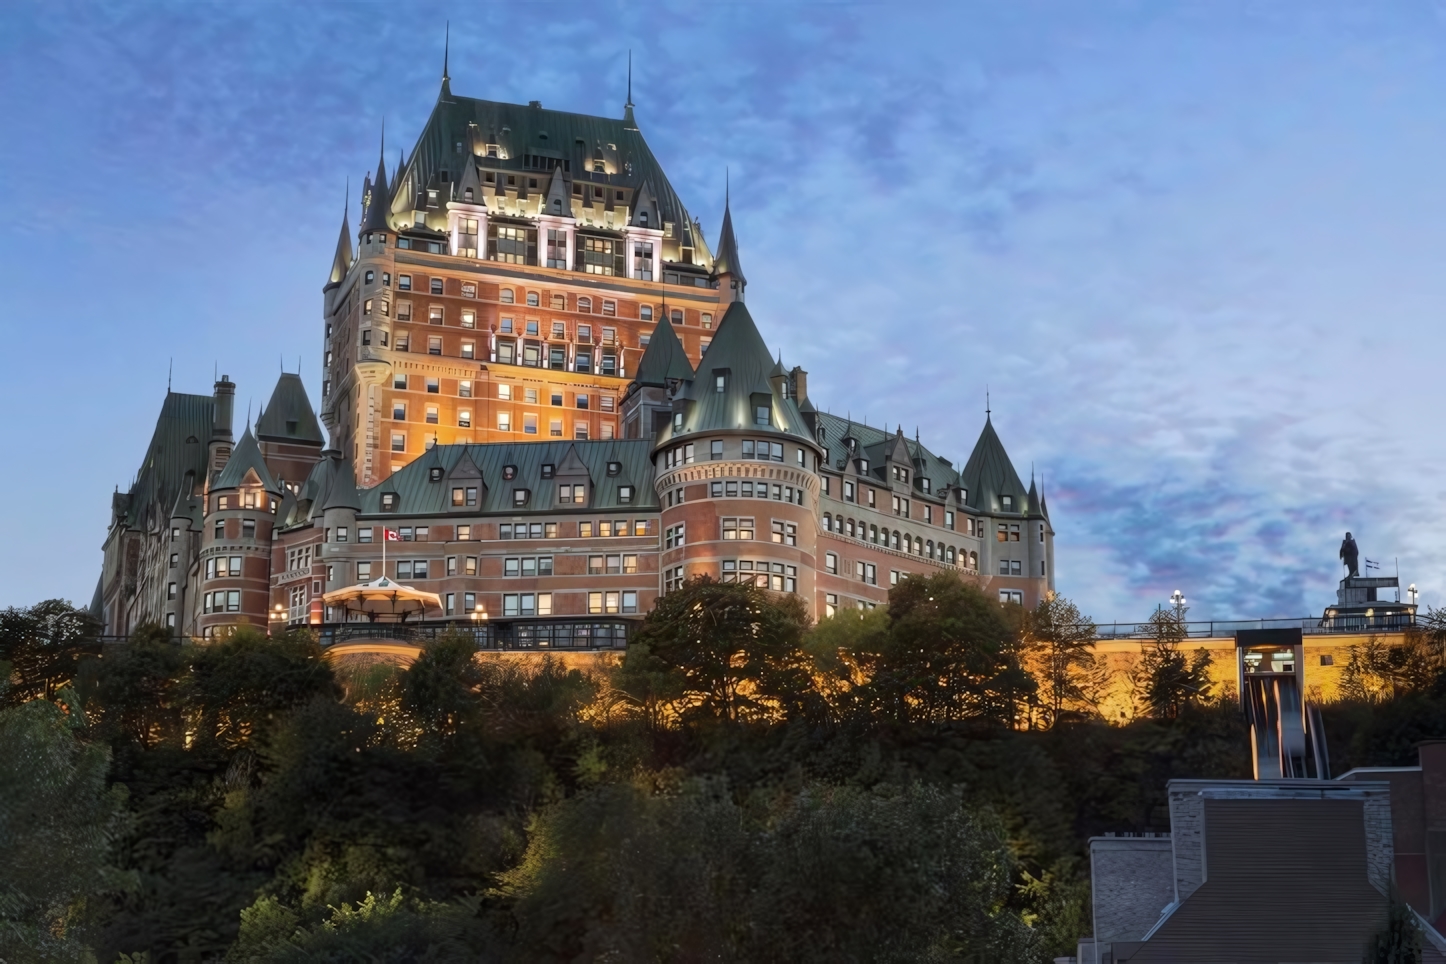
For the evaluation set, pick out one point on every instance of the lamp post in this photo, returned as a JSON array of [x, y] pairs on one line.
[[479, 619], [1177, 600], [1412, 591], [278, 618]]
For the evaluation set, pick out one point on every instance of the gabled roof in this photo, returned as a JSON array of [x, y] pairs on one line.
[[417, 494], [664, 359], [469, 180], [989, 473], [738, 349], [246, 456], [518, 131], [727, 260], [874, 444], [559, 198], [288, 416]]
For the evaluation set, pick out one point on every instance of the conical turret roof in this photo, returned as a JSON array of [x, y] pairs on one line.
[[990, 474], [343, 494], [664, 360], [247, 456], [341, 261], [726, 261], [379, 200], [739, 354]]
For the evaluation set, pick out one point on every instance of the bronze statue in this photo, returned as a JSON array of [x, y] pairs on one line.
[[1349, 555]]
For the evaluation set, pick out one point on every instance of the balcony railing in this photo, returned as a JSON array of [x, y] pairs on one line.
[[1309, 625]]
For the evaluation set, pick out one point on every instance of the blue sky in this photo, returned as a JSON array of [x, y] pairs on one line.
[[1193, 249]]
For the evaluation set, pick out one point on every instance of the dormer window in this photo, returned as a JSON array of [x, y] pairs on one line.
[[925, 483], [761, 414], [435, 473], [901, 474], [509, 472], [520, 497], [677, 421], [291, 426], [720, 380], [547, 470], [615, 468], [431, 198], [467, 194], [863, 466], [389, 502], [642, 219], [625, 494], [1007, 502]]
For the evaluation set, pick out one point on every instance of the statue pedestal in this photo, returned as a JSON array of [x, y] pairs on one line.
[[1359, 607]]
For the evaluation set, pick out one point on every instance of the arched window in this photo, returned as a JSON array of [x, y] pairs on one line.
[[949, 555], [645, 313], [584, 304], [931, 548], [506, 296], [894, 539], [851, 528], [827, 522], [874, 534], [974, 561]]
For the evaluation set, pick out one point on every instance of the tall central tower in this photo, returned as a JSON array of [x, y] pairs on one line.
[[506, 280]]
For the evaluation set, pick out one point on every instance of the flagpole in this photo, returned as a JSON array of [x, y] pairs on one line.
[[384, 551]]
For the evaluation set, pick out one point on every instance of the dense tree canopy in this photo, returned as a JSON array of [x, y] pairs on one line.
[[913, 782]]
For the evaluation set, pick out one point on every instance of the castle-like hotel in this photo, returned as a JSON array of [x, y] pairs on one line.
[[546, 386]]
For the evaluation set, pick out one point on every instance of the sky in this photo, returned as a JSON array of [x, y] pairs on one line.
[[1192, 251]]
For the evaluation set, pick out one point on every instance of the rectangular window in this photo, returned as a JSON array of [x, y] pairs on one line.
[[469, 566], [434, 386], [504, 422], [248, 528], [464, 533], [529, 424], [848, 491], [554, 428], [830, 562], [737, 529], [556, 248], [949, 519], [673, 537], [399, 442], [432, 415]]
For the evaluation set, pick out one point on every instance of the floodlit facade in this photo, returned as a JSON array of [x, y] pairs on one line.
[[541, 379]]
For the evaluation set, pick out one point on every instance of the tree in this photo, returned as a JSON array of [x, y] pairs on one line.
[[722, 651], [950, 654], [43, 645], [682, 872], [1060, 643], [57, 824], [240, 684], [1168, 680]]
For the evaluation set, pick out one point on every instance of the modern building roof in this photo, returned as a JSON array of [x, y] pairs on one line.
[[246, 456], [485, 466], [738, 355], [664, 360], [288, 416]]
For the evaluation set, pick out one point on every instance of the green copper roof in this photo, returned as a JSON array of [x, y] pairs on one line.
[[484, 465], [246, 455], [288, 416], [664, 359], [738, 354], [178, 446], [378, 196], [727, 260], [341, 261], [876, 444], [522, 132], [989, 474]]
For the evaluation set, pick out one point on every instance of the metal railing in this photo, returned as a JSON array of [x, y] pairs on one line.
[[1310, 625], [502, 636]]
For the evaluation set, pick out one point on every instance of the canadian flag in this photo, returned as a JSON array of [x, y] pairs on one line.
[[393, 535]]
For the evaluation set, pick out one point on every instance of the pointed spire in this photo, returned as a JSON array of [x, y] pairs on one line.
[[726, 261], [446, 91], [341, 261], [630, 123], [380, 201]]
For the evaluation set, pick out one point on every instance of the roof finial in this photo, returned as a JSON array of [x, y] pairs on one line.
[[446, 51], [169, 367], [630, 78], [986, 403], [727, 187]]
